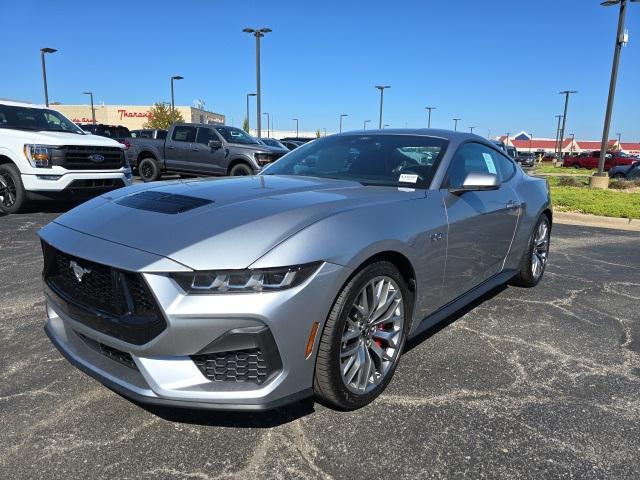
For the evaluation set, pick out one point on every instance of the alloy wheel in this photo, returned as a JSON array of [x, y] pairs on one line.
[[540, 249], [372, 335], [7, 191]]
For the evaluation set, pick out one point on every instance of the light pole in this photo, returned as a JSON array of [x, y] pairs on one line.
[[173, 103], [573, 141], [471, 129], [507, 141], [268, 131], [249, 121], [381, 88], [341, 116], [489, 134], [44, 72], [455, 124], [93, 110], [365, 124], [566, 94], [385, 126], [325, 131], [296, 120], [258, 33], [429, 120], [619, 135], [559, 117]]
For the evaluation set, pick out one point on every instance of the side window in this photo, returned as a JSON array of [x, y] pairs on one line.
[[184, 134], [205, 135], [506, 168], [470, 157], [161, 134]]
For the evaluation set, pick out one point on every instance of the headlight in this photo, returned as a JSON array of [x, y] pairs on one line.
[[263, 158], [247, 281], [39, 156]]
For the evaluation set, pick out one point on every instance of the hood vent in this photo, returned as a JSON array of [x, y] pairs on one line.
[[160, 202]]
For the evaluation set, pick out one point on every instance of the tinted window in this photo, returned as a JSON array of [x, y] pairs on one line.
[[392, 160], [506, 168], [473, 157], [235, 135], [39, 119], [184, 134], [162, 134], [204, 135]]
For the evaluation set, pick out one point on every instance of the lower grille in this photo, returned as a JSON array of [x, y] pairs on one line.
[[97, 183], [113, 353], [235, 366]]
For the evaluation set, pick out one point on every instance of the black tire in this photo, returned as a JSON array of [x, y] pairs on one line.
[[576, 165], [240, 170], [619, 176], [148, 169], [12, 190], [328, 383], [526, 276]]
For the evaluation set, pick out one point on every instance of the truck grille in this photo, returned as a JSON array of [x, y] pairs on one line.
[[109, 300], [234, 366], [76, 157]]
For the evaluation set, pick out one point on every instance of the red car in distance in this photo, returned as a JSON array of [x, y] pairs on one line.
[[590, 160]]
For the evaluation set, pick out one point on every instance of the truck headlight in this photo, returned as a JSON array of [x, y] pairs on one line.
[[39, 156], [247, 281], [263, 158]]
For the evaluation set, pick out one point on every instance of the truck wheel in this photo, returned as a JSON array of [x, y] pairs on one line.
[[12, 193], [576, 165], [619, 176], [240, 170], [148, 169]]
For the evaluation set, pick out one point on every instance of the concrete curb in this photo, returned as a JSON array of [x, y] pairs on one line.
[[585, 220]]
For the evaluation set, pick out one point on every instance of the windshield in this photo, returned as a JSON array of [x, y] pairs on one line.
[[391, 160], [235, 135], [273, 143], [37, 119]]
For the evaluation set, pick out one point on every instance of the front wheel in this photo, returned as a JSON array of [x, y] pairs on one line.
[[240, 170], [534, 260], [363, 337], [12, 193], [619, 176]]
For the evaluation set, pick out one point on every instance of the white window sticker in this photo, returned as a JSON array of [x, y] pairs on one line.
[[491, 167], [408, 178]]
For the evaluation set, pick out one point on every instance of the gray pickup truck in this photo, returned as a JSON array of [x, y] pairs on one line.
[[197, 149]]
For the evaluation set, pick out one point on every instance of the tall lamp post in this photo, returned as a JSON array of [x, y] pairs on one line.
[[619, 135], [566, 94], [455, 123], [530, 139], [44, 72], [573, 141], [173, 103], [93, 110], [365, 124], [429, 118], [249, 121], [268, 131], [381, 88], [258, 33], [341, 117], [296, 120], [471, 129]]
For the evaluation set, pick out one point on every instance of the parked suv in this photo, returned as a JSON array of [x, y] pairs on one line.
[[202, 150], [44, 155], [526, 159], [117, 132]]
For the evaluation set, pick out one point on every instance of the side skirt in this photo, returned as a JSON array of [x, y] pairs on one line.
[[463, 300]]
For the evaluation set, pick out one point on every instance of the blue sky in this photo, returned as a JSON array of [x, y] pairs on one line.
[[498, 65]]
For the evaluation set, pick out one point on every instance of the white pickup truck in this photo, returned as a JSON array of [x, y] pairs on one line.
[[44, 155]]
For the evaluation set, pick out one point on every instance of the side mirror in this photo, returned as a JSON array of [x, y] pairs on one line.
[[477, 181], [214, 144]]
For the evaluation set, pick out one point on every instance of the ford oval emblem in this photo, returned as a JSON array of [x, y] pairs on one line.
[[96, 157]]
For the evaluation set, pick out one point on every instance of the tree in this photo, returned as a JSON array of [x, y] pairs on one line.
[[245, 125], [161, 116], [318, 133]]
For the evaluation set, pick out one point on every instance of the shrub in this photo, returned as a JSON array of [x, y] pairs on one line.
[[569, 182], [624, 184]]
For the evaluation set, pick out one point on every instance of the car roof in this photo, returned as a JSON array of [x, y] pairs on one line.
[[427, 132], [19, 103]]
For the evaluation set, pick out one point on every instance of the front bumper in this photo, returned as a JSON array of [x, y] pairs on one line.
[[163, 370], [40, 184]]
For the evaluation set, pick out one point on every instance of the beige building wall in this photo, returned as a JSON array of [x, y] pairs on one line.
[[132, 116]]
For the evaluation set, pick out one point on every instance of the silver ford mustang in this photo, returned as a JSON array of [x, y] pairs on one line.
[[248, 293]]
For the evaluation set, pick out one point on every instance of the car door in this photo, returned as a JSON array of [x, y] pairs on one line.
[[481, 224], [204, 158], [178, 147], [634, 172]]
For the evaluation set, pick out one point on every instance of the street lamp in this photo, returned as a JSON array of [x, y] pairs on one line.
[[381, 88], [268, 130], [44, 72], [248, 121], [530, 139], [573, 141], [365, 124], [342, 115], [173, 103], [455, 124], [619, 135], [93, 110], [258, 33], [559, 117], [429, 121], [566, 94], [296, 120], [471, 129], [385, 125]]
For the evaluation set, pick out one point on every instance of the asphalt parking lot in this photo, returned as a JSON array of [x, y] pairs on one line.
[[531, 383]]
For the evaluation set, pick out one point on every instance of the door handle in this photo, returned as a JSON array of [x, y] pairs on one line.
[[194, 149], [512, 204], [171, 148]]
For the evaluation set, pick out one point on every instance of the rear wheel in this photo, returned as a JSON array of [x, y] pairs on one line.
[[534, 260], [363, 337], [148, 169], [618, 175], [240, 170], [12, 193], [576, 165]]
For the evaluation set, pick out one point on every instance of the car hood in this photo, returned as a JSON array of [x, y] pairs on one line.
[[245, 218], [64, 138]]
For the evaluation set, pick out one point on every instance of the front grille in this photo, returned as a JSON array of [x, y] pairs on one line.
[[114, 354], [234, 366], [76, 157], [112, 301], [96, 184]]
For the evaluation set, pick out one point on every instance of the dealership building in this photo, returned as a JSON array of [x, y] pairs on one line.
[[132, 116]]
